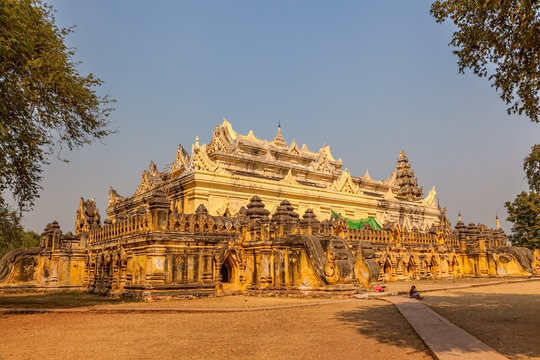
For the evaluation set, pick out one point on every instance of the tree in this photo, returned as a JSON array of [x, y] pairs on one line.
[[531, 166], [524, 211], [500, 33], [45, 103], [12, 235]]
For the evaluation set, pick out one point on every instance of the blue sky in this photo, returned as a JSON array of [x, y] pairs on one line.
[[367, 78]]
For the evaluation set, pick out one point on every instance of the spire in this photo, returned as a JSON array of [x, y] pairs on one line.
[[497, 221], [278, 140], [407, 182], [459, 216]]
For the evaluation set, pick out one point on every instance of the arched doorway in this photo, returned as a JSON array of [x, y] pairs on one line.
[[434, 268], [226, 271], [411, 269], [387, 270]]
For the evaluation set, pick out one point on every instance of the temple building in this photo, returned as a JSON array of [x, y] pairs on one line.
[[224, 175], [245, 215]]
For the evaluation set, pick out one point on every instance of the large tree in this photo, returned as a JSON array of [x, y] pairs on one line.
[[45, 103], [12, 235], [503, 35], [524, 211]]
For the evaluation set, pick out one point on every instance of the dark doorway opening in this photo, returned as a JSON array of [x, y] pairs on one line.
[[225, 272]]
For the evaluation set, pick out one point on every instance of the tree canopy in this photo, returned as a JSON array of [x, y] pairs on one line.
[[531, 166], [504, 34], [45, 103], [524, 211], [12, 235]]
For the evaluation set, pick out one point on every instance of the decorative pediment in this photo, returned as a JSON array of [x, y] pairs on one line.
[[145, 183], [149, 179], [289, 179], [181, 161], [305, 148], [326, 151], [154, 170], [345, 184], [114, 197], [430, 199], [322, 164], [228, 130], [226, 209], [224, 138], [200, 161], [88, 216], [293, 148]]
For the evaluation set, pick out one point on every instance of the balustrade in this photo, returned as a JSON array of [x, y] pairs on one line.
[[123, 227]]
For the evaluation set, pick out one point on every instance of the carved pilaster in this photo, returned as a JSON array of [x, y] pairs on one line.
[[266, 275], [155, 266], [207, 267]]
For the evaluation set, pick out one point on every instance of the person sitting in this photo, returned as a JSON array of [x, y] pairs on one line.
[[414, 294]]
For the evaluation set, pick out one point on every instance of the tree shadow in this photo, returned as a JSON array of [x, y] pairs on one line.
[[56, 300], [508, 323], [384, 323]]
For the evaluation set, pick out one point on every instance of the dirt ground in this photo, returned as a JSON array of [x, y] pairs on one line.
[[506, 317], [63, 300], [354, 329]]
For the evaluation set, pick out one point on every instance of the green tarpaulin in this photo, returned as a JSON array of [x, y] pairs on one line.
[[359, 224]]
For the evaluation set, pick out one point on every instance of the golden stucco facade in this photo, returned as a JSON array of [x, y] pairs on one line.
[[247, 215]]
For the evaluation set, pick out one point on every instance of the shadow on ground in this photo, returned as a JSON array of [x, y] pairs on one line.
[[55, 300], [374, 322], [509, 323]]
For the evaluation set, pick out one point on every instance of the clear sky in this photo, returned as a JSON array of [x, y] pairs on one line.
[[367, 78]]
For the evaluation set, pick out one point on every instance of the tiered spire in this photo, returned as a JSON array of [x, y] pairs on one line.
[[407, 182], [279, 140]]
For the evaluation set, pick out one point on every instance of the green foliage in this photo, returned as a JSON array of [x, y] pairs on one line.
[[12, 235], [44, 102], [500, 33], [524, 211], [531, 165]]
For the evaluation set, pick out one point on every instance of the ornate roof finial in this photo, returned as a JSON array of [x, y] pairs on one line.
[[278, 140], [497, 224], [459, 216], [196, 141]]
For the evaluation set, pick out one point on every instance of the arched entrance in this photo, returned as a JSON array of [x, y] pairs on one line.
[[226, 271], [453, 267], [387, 270], [411, 269], [229, 272], [434, 268]]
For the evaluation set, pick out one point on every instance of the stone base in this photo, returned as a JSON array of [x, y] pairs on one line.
[[143, 292]]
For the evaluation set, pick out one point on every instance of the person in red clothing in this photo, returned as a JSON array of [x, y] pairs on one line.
[[414, 294]]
